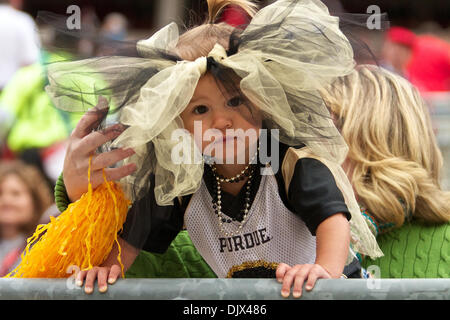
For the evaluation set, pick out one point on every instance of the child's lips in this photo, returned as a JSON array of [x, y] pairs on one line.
[[230, 141], [225, 139]]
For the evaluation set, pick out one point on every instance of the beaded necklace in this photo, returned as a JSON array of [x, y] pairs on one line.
[[248, 171]]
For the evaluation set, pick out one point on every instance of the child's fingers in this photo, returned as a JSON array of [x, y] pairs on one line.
[[101, 279], [315, 273], [95, 139], [114, 273], [90, 280], [112, 174], [115, 174], [288, 280], [300, 276], [104, 160], [80, 278], [282, 268], [312, 277]]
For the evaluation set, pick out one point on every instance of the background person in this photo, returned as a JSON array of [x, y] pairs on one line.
[[422, 59], [394, 164], [19, 41], [24, 197]]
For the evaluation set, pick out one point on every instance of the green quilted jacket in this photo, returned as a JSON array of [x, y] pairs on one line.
[[181, 260]]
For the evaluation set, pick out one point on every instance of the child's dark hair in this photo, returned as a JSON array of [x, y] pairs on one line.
[[200, 40]]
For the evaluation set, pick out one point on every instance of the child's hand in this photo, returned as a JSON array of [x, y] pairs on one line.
[[103, 275], [297, 275], [83, 143]]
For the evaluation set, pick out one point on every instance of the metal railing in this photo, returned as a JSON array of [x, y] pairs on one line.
[[226, 289]]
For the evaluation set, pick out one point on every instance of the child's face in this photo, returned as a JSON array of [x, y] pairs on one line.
[[16, 203], [223, 114]]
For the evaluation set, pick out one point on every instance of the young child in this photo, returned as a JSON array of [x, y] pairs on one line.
[[248, 213]]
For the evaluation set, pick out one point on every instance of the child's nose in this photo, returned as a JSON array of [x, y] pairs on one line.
[[222, 120]]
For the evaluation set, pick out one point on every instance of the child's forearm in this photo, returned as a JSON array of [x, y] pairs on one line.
[[127, 255], [333, 241]]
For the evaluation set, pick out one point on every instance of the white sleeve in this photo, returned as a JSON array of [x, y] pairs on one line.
[[30, 43]]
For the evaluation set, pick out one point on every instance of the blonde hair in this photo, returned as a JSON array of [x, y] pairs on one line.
[[200, 40], [393, 152]]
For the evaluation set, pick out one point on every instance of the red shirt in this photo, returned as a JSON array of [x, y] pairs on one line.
[[429, 66]]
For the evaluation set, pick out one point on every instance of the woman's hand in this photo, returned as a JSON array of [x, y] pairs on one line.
[[297, 275], [83, 143]]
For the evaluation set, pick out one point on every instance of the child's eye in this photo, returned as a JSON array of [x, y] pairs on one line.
[[200, 109], [235, 101]]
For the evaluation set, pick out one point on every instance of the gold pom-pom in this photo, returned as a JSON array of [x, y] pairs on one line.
[[82, 236]]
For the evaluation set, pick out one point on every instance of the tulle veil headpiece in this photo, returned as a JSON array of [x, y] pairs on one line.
[[288, 51]]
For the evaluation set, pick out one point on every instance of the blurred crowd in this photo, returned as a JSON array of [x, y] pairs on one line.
[[33, 132]]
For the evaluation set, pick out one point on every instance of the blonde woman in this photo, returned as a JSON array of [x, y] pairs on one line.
[[394, 165]]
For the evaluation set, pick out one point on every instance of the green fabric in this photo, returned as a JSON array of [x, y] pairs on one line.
[[181, 260], [61, 198], [414, 251], [36, 124]]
